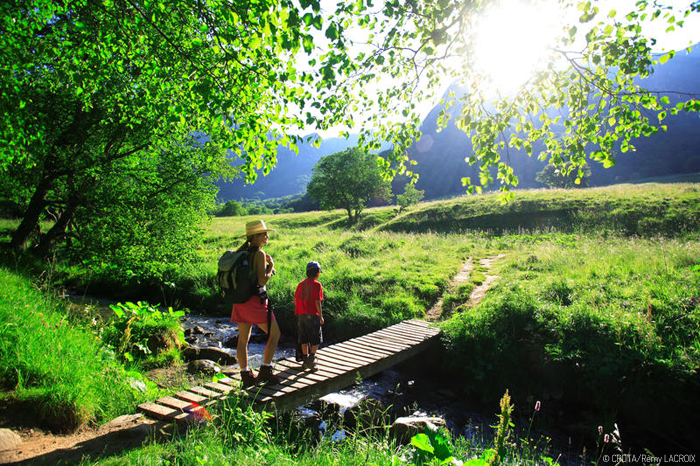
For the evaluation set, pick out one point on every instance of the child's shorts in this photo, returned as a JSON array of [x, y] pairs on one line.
[[309, 330]]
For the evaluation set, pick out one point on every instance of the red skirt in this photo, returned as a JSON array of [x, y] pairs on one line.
[[251, 312]]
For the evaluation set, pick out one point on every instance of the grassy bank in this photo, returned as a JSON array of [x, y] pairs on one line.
[[610, 327], [52, 364]]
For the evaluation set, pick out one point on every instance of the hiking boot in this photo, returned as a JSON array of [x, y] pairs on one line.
[[248, 379], [266, 377], [310, 363]]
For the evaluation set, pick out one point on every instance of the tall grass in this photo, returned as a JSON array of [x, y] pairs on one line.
[[613, 325], [52, 364]]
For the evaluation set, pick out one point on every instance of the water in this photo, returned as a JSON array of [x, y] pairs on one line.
[[218, 332]]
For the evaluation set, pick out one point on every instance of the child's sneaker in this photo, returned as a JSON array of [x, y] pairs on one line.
[[248, 379], [265, 376], [310, 363]]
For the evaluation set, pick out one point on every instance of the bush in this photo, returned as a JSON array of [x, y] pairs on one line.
[[143, 333]]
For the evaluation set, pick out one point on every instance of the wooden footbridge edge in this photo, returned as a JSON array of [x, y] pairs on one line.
[[339, 366]]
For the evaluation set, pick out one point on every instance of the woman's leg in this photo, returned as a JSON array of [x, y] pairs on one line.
[[272, 340], [242, 346]]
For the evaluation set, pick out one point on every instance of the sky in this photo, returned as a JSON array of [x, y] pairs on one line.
[[516, 37]]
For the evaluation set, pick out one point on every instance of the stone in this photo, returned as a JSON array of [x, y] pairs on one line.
[[204, 366], [217, 355], [406, 427], [9, 440]]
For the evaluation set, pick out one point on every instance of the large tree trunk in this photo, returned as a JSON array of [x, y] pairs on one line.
[[56, 232], [29, 223]]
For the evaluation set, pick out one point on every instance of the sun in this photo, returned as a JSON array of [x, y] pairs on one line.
[[513, 41]]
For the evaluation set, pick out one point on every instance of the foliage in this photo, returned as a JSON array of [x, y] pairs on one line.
[[432, 445], [144, 333], [53, 363], [348, 180], [126, 105], [410, 196], [588, 101], [503, 429], [564, 177]]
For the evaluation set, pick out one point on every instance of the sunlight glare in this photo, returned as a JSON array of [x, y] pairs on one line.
[[513, 41]]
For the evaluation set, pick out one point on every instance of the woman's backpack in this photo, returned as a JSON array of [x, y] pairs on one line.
[[235, 279]]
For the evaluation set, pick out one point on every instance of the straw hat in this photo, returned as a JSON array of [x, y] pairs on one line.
[[255, 227]]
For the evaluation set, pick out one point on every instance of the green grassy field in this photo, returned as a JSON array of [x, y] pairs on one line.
[[597, 308]]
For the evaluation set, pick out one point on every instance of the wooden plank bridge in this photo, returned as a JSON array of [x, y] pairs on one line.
[[339, 366]]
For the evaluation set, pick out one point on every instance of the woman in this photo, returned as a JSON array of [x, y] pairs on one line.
[[254, 311]]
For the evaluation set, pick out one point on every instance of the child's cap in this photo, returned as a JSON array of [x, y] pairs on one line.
[[313, 265]]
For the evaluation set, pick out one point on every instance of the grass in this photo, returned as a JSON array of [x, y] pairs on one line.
[[54, 365], [598, 301], [612, 324]]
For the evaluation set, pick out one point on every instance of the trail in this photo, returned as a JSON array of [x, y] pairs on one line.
[[435, 313]]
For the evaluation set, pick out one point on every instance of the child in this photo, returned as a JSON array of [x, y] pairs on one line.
[[307, 308]]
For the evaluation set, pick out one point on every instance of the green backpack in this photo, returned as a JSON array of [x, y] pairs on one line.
[[235, 278]]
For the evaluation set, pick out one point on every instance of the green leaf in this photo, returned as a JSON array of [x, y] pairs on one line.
[[422, 443], [332, 32]]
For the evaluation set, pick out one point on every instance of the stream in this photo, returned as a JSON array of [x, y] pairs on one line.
[[404, 390]]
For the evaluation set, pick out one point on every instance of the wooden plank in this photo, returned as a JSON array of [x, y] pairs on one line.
[[315, 376], [362, 349], [206, 392], [321, 374], [396, 339], [219, 387], [378, 343], [333, 361], [421, 327], [394, 345], [190, 397], [174, 403], [375, 353], [405, 335], [359, 362], [326, 367], [163, 413], [417, 327], [231, 382], [418, 323], [378, 336], [292, 377], [410, 331], [348, 356]]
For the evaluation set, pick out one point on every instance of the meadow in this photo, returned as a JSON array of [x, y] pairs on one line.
[[596, 313]]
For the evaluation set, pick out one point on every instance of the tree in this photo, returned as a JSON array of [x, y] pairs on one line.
[[348, 180], [567, 177], [97, 93], [588, 102], [90, 86], [410, 196]]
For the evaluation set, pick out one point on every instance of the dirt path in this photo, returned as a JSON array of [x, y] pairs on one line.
[[118, 435], [435, 313], [30, 444]]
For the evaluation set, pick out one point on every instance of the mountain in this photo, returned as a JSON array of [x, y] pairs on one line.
[[441, 155], [291, 174]]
